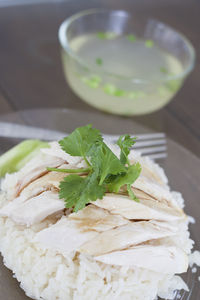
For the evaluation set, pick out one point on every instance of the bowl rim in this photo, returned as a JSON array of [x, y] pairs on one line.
[[63, 39]]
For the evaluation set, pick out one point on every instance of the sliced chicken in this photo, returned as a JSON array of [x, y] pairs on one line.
[[49, 181], [162, 259], [154, 203], [155, 190], [55, 150], [94, 218], [36, 173], [130, 209], [78, 228], [5, 211], [34, 210], [150, 169], [152, 175], [65, 236], [125, 236]]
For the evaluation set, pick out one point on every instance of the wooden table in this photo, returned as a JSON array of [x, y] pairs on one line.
[[30, 69]]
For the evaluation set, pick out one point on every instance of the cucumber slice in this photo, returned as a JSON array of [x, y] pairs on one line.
[[15, 158]]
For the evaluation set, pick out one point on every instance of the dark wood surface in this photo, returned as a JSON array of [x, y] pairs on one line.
[[30, 68]]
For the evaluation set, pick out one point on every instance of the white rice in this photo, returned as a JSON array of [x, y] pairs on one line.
[[45, 274], [194, 258], [194, 270]]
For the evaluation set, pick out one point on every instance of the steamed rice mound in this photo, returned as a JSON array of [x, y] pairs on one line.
[[46, 274]]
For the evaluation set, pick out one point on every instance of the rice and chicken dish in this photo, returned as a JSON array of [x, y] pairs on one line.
[[130, 241]]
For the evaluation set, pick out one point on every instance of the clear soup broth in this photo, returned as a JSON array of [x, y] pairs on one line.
[[122, 74]]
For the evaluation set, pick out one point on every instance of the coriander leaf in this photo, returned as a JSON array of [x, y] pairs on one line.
[[131, 194], [105, 161], [80, 140], [78, 191], [125, 142], [80, 170], [132, 174], [105, 172]]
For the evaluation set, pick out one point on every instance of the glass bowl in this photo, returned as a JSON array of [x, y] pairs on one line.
[[121, 63]]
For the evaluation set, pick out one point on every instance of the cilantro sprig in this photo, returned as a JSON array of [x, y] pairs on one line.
[[125, 142], [105, 171]]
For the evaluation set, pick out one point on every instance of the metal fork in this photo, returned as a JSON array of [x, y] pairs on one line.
[[151, 144]]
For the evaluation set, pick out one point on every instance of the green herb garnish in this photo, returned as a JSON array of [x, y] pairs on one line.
[[92, 82], [162, 90], [131, 37], [174, 85], [164, 70], [99, 61], [125, 142], [127, 179], [81, 170], [105, 172], [136, 94], [112, 90], [106, 35], [149, 43]]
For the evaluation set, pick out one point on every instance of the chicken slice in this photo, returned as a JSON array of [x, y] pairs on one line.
[[153, 202], [64, 236], [130, 209], [49, 181], [11, 205], [155, 190], [150, 169], [95, 218], [55, 150], [34, 210], [125, 236], [148, 173], [162, 259], [70, 233], [35, 173]]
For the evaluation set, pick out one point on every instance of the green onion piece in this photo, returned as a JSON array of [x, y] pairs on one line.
[[14, 159], [99, 61], [164, 70], [162, 91], [119, 93], [106, 35], [136, 94], [174, 85], [111, 89], [92, 82], [131, 37], [149, 43]]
